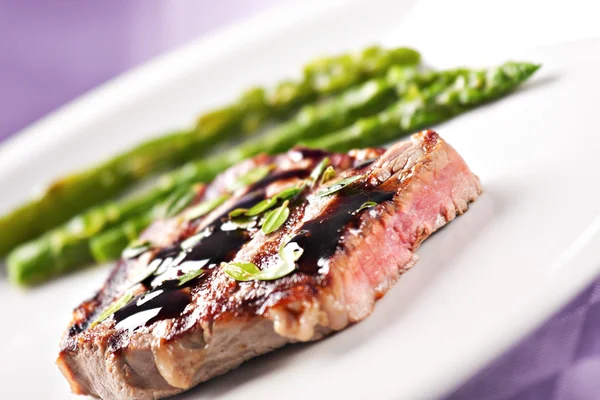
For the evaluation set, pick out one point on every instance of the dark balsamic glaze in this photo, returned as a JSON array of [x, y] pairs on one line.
[[218, 246], [216, 239], [167, 300], [319, 240], [320, 237], [311, 153], [77, 328], [167, 252]]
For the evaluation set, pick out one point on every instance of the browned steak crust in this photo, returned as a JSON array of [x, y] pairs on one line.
[[356, 243]]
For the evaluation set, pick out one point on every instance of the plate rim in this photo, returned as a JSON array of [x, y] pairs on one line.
[[579, 255]]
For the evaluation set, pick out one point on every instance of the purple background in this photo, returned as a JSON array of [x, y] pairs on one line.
[[53, 51]]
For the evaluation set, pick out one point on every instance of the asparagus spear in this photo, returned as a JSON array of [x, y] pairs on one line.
[[72, 194], [65, 248], [110, 244], [432, 98], [333, 74], [445, 94], [423, 108], [45, 253]]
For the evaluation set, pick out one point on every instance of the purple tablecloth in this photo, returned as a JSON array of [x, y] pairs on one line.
[[52, 51]]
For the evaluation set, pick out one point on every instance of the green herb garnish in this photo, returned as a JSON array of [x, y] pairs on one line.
[[238, 212], [241, 271], [328, 174], [252, 176], [189, 276], [136, 249], [113, 308], [289, 192], [269, 203], [275, 218], [262, 206], [289, 253], [318, 170], [336, 187], [367, 204], [204, 208]]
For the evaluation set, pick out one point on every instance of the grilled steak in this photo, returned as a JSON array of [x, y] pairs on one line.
[[358, 233]]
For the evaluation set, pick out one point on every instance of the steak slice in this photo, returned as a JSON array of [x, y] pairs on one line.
[[356, 241]]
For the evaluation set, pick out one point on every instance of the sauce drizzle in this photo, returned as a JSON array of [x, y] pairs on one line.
[[320, 237], [165, 301], [168, 300]]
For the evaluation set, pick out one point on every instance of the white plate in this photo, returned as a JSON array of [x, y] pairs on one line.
[[523, 249]]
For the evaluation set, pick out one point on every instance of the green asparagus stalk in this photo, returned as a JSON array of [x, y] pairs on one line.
[[329, 75], [311, 121], [428, 98], [70, 195], [324, 76], [110, 244], [432, 98], [432, 105], [45, 253], [63, 249]]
